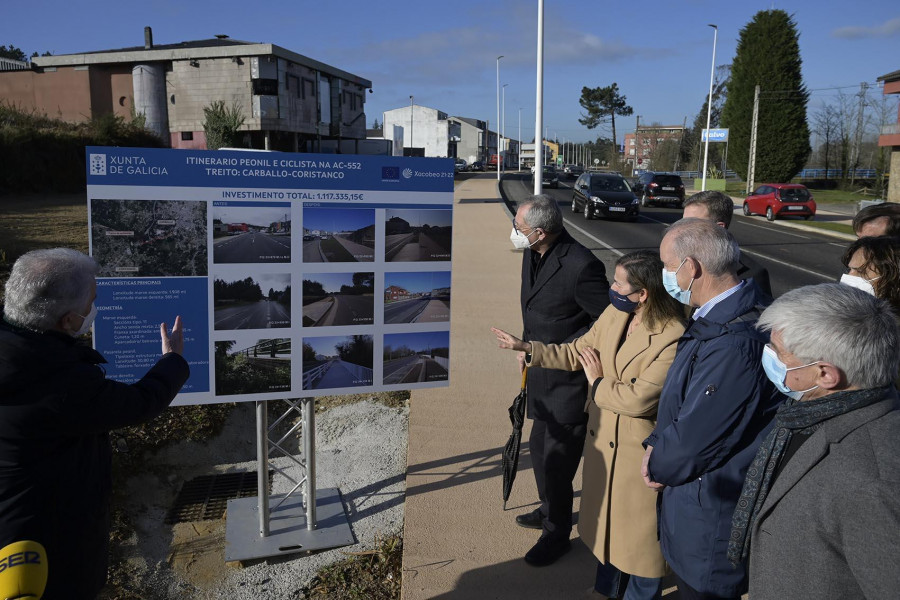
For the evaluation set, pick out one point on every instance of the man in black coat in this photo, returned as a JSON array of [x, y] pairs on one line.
[[564, 290], [56, 409]]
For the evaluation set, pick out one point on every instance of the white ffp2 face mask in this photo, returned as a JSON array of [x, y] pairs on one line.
[[520, 240], [87, 322], [859, 283]]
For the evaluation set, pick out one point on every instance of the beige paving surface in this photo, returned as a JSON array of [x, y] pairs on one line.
[[458, 541]]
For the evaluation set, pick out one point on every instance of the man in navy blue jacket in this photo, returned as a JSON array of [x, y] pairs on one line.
[[715, 409]]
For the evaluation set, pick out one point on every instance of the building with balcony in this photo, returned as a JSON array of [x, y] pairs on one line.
[[289, 101], [890, 136]]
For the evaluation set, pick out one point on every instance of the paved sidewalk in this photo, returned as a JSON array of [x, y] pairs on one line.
[[458, 542]]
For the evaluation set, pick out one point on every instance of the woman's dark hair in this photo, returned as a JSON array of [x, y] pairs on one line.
[[881, 258], [644, 271]]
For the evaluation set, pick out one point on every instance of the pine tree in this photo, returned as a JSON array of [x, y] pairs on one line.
[[768, 55]]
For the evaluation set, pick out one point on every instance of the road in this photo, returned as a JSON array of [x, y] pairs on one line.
[[347, 310], [259, 315], [414, 310], [794, 257], [413, 368], [252, 248], [343, 374]]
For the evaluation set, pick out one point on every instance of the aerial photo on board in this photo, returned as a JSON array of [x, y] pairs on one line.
[[149, 238], [338, 299], [416, 357], [264, 366], [413, 234], [337, 361], [419, 297], [258, 301], [251, 234], [338, 235]]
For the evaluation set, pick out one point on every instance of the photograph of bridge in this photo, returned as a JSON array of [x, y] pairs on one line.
[[251, 234], [338, 299], [413, 234], [416, 357], [257, 368], [337, 361], [260, 301], [421, 297], [338, 235]]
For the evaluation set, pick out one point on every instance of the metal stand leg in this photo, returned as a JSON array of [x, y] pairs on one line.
[[309, 453], [262, 465], [286, 523]]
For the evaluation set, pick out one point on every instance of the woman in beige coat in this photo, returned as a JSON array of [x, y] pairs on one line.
[[625, 356]]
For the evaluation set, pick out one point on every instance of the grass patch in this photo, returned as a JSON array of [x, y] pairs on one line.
[[839, 227], [369, 575], [334, 251]]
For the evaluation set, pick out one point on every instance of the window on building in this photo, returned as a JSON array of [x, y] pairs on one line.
[[187, 136], [265, 87]]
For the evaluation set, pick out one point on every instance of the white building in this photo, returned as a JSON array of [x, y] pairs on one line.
[[426, 131]]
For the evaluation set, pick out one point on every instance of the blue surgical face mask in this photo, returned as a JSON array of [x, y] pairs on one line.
[[621, 302], [777, 371], [670, 282]]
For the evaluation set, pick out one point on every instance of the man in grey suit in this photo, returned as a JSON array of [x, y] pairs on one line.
[[564, 290], [819, 510]]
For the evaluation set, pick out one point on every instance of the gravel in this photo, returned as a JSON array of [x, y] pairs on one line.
[[361, 449]]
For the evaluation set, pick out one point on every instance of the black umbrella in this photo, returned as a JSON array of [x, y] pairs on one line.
[[509, 462]]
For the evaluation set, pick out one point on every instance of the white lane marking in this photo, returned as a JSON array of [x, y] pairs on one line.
[[586, 234], [769, 229], [751, 252], [831, 277]]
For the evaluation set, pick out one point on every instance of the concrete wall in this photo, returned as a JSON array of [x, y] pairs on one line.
[[428, 131], [469, 147], [190, 89], [62, 94]]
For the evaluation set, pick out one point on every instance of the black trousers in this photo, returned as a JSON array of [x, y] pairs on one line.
[[556, 450]]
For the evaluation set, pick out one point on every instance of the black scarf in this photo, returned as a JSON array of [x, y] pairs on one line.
[[792, 416]]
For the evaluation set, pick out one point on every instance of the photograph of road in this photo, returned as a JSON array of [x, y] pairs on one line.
[[251, 234], [260, 301], [149, 238], [416, 357], [337, 361], [417, 297], [261, 367], [338, 235], [338, 299], [413, 235]]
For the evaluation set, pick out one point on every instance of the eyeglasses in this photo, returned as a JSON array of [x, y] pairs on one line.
[[522, 229]]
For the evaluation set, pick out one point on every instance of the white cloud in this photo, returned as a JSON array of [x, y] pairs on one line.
[[886, 29]]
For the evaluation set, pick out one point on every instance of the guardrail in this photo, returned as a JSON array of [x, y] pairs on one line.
[[268, 348], [313, 375]]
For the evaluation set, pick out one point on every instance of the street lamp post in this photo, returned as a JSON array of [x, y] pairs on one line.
[[410, 124], [539, 105], [503, 128], [498, 116], [519, 146], [712, 73]]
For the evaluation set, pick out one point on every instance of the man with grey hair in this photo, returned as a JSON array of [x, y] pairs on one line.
[[819, 510], [56, 411], [564, 290], [718, 207], [714, 409]]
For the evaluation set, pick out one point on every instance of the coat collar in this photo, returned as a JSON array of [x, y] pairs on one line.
[[817, 447]]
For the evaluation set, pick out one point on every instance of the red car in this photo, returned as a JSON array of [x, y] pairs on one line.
[[780, 200]]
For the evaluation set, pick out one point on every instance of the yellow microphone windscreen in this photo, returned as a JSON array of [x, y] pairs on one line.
[[23, 571]]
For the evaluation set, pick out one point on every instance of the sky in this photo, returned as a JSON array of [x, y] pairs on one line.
[[444, 54], [338, 219]]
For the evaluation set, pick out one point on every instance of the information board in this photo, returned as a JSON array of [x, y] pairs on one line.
[[296, 275]]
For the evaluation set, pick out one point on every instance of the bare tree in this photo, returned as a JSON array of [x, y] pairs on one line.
[[826, 125]]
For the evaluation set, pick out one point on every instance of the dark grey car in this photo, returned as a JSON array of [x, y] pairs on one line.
[[606, 195]]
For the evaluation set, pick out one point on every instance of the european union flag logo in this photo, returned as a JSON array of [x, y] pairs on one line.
[[390, 173]]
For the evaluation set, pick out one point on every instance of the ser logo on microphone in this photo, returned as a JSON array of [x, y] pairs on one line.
[[15, 559]]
